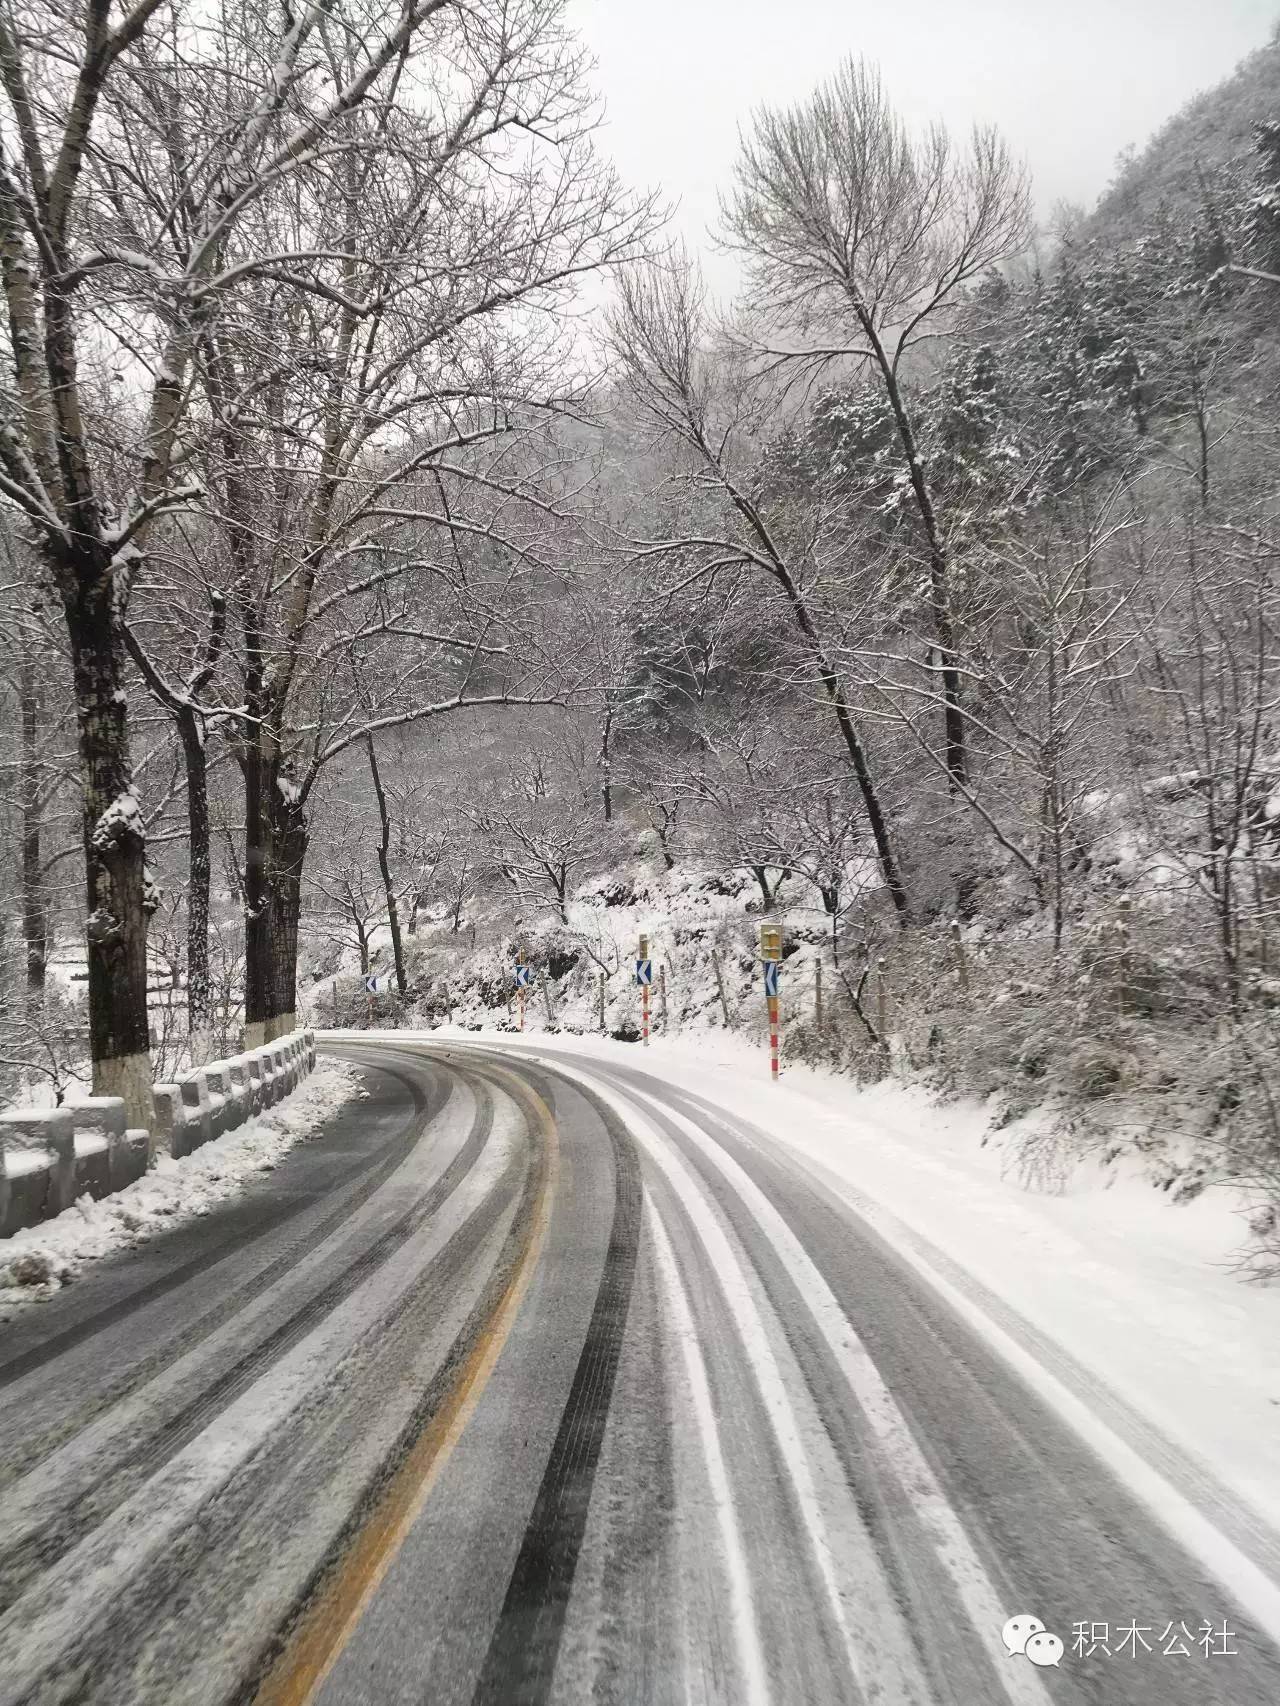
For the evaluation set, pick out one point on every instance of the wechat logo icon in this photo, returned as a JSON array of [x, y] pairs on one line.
[[1028, 1636]]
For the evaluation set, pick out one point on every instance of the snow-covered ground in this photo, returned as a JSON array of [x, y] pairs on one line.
[[35, 1262], [1123, 1309]]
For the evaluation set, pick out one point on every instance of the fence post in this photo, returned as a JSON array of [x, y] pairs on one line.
[[642, 957], [546, 1000], [962, 965], [662, 995], [817, 995], [882, 1002], [602, 1020]]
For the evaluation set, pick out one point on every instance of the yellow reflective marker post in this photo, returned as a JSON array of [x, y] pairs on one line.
[[771, 956], [644, 977]]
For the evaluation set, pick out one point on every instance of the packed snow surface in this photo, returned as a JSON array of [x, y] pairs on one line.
[[1125, 1300], [35, 1262]]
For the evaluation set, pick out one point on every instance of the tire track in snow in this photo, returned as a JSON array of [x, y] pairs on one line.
[[45, 1514], [520, 1664], [901, 1453], [51, 1620], [742, 1609], [880, 1655]]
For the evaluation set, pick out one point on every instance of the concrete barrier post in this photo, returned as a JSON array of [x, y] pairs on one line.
[[38, 1150], [257, 1083], [25, 1180], [131, 1155], [271, 1070], [241, 1091], [61, 1147], [279, 1087], [171, 1118], [198, 1126], [99, 1129], [218, 1080]]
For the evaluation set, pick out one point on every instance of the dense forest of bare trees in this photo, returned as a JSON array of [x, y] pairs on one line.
[[393, 526]]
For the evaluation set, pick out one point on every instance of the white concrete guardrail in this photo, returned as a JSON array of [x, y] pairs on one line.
[[51, 1156]]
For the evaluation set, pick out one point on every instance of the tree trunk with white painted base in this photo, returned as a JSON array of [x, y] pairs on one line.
[[117, 884]]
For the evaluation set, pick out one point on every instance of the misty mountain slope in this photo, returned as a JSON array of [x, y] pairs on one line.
[[1213, 131]]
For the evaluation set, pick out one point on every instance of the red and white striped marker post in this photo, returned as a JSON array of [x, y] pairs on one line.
[[771, 955], [644, 975]]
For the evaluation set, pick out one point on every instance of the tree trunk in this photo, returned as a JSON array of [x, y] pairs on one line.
[[257, 927], [35, 911], [384, 865], [939, 571], [114, 845], [290, 841], [199, 865], [833, 687], [606, 765], [768, 896], [275, 848]]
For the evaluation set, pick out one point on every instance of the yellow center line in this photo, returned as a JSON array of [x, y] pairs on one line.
[[324, 1629]]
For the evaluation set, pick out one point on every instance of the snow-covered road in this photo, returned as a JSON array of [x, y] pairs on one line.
[[539, 1378]]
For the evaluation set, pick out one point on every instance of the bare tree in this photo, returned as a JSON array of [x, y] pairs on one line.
[[196, 656], [858, 237], [537, 825], [384, 867], [1210, 671], [712, 417], [138, 152], [1051, 643], [370, 450], [349, 903]]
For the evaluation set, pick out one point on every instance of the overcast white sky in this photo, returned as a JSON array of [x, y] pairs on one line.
[[1070, 82]]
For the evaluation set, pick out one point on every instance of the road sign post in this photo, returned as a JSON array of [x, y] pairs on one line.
[[644, 977], [522, 983], [771, 957]]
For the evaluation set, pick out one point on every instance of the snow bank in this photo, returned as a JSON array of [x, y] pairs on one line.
[[35, 1262]]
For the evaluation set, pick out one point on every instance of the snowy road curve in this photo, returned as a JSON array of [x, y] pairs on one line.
[[533, 1380]]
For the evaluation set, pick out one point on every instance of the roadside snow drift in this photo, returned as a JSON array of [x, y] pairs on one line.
[[36, 1261]]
